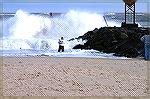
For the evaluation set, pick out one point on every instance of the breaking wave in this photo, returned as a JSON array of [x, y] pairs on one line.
[[29, 31]]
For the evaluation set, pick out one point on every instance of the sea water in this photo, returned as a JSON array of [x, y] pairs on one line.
[[25, 34]]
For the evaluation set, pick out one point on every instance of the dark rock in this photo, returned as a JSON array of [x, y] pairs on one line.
[[119, 40], [71, 39], [79, 46]]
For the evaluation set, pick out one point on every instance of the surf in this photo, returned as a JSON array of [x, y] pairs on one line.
[[29, 31]]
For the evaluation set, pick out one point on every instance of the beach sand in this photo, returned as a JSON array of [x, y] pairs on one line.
[[47, 76]]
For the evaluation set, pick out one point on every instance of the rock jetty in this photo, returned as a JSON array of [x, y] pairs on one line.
[[118, 40]]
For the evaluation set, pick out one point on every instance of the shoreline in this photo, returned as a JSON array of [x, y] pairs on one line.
[[92, 58]]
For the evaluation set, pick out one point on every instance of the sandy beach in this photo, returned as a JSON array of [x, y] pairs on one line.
[[47, 76]]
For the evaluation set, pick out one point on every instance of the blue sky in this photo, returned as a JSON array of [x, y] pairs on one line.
[[56, 6]]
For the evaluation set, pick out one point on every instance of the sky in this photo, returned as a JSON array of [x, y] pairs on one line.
[[63, 6]]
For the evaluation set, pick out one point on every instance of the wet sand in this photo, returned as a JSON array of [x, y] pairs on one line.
[[47, 76]]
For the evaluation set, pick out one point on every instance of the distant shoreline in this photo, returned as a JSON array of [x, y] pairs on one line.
[[140, 17]]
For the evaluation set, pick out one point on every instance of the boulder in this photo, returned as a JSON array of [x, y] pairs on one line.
[[79, 46]]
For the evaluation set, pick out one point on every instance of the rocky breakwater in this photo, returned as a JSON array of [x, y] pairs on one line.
[[118, 40]]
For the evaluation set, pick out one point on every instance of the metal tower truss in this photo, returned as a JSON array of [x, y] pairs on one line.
[[130, 13]]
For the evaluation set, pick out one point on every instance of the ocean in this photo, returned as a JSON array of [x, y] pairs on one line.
[[36, 34]]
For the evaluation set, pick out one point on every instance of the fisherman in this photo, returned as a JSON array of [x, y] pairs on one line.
[[146, 40], [61, 44]]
